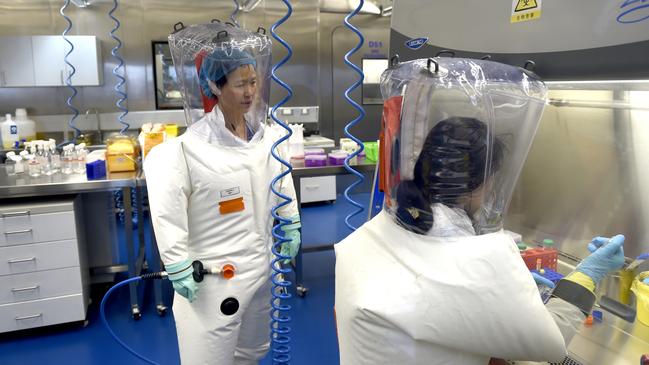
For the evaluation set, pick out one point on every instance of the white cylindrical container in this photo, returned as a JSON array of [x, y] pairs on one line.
[[26, 126], [296, 141]]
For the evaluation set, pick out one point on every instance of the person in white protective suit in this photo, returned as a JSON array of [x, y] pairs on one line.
[[433, 279], [210, 198]]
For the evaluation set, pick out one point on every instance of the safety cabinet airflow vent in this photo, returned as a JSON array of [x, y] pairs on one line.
[[566, 361]]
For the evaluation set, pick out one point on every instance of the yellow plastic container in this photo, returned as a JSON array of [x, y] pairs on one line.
[[121, 154], [641, 292], [626, 279], [171, 130], [150, 140]]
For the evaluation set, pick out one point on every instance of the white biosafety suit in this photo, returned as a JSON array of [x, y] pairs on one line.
[[193, 183], [433, 279], [404, 298]]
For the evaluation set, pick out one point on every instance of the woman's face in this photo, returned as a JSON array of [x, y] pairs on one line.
[[238, 93]]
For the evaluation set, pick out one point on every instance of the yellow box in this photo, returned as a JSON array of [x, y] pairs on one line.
[[121, 154]]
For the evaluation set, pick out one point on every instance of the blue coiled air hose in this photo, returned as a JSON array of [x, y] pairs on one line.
[[279, 318], [68, 79], [122, 95], [360, 177], [102, 311]]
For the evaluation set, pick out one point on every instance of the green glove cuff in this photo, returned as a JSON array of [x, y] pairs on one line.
[[186, 287], [294, 225], [179, 270], [292, 234], [291, 227]]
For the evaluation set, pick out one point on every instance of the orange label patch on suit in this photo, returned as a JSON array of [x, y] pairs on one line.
[[231, 206]]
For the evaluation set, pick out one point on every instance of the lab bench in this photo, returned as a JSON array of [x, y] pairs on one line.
[[42, 189]]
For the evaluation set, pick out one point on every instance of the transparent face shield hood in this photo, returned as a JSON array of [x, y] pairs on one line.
[[213, 58], [456, 132]]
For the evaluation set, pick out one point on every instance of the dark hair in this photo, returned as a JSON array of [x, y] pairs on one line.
[[452, 164], [413, 210], [221, 81]]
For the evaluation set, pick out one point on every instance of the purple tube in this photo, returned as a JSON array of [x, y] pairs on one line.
[[337, 159], [315, 160]]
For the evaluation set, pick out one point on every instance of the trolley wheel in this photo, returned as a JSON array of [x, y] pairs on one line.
[[301, 291], [162, 310], [136, 313]]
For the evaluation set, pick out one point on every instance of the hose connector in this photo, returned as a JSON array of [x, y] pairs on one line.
[[227, 271], [154, 275]]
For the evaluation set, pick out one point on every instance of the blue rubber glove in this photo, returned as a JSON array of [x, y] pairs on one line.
[[182, 279], [607, 256], [292, 233], [540, 280]]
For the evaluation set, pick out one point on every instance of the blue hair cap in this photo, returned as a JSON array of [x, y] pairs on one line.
[[220, 63]]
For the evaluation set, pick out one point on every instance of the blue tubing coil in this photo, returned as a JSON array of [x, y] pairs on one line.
[[360, 178], [279, 317]]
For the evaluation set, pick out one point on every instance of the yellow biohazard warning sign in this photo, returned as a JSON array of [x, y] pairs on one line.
[[525, 5], [525, 10]]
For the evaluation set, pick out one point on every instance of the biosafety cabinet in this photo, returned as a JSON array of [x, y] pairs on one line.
[[567, 40], [586, 172], [43, 272]]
